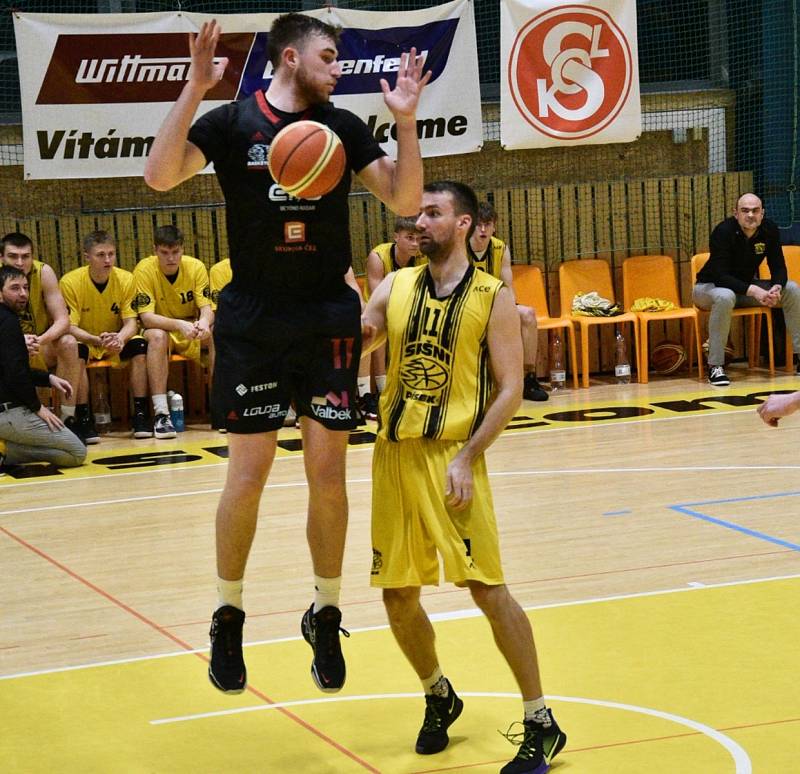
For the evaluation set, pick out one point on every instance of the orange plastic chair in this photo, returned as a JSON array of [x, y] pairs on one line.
[[753, 313], [653, 276], [584, 276], [529, 290], [791, 254]]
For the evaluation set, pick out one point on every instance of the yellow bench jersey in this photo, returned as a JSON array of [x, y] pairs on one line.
[[386, 252], [95, 311], [34, 318], [438, 381], [219, 276], [492, 259], [181, 299]]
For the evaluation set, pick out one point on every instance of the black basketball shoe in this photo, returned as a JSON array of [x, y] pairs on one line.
[[226, 669], [440, 713], [538, 745], [321, 631]]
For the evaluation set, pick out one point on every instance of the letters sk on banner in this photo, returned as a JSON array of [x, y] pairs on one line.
[[569, 73], [95, 88]]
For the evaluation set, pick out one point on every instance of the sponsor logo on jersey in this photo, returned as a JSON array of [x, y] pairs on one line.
[[294, 231], [570, 71], [332, 406], [241, 389], [271, 411], [140, 300], [261, 387], [257, 156]]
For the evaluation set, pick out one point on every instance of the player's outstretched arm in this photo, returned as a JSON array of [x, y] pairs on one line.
[[373, 321], [399, 184], [172, 157]]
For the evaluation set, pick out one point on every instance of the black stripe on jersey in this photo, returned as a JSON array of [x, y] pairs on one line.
[[448, 337], [485, 381], [413, 327]]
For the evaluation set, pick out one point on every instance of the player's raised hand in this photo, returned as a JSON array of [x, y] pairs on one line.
[[402, 100], [206, 72]]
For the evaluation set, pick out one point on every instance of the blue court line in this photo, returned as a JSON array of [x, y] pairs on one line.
[[618, 513], [687, 511]]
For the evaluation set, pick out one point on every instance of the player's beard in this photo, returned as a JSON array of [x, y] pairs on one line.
[[310, 92], [438, 252]]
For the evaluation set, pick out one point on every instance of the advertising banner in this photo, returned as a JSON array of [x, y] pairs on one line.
[[568, 73], [96, 87]]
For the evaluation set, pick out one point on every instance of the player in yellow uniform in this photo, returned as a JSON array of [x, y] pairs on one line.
[[173, 300], [453, 383], [99, 297], [493, 256], [382, 260], [45, 323]]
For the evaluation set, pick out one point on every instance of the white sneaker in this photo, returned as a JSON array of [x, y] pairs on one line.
[[717, 377], [163, 427], [290, 420]]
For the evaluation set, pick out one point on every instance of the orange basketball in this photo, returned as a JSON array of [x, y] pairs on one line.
[[667, 357], [306, 159]]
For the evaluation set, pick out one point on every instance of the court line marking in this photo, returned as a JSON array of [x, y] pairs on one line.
[[496, 474], [368, 447], [686, 510], [453, 615], [740, 757]]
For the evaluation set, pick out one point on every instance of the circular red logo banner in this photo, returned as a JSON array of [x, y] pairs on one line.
[[570, 71]]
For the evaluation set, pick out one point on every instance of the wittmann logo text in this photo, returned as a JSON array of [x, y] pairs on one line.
[[96, 69]]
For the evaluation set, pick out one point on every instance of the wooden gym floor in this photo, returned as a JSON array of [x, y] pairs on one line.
[[650, 531]]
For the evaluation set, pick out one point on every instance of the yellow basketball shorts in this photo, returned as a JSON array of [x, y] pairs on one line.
[[412, 525], [188, 348]]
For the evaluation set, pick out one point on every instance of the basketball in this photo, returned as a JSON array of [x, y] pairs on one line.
[[306, 159], [667, 357]]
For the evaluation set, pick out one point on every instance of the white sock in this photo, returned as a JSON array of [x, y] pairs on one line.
[[229, 592], [380, 383], [67, 411], [326, 592], [436, 684], [160, 404], [536, 710], [363, 385]]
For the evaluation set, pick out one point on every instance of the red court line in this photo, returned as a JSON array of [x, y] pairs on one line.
[[164, 632]]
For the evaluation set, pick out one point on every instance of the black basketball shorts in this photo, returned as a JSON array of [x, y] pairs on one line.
[[271, 352]]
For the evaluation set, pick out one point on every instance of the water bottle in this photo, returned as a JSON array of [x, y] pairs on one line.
[[176, 410], [558, 376], [102, 411], [622, 369]]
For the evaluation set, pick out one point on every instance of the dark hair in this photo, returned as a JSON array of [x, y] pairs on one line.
[[15, 239], [168, 236], [293, 29], [465, 202], [486, 213], [405, 224], [9, 272], [97, 238]]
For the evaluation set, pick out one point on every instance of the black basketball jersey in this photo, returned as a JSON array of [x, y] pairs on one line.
[[279, 244]]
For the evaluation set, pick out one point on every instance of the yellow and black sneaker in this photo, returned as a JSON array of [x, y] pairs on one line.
[[539, 743], [440, 713]]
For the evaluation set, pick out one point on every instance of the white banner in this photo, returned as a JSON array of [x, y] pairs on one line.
[[96, 87], [569, 73]]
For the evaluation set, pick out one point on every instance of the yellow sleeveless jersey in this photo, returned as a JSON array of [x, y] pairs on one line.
[[492, 259], [180, 300], [219, 276], [438, 381], [386, 252], [34, 318]]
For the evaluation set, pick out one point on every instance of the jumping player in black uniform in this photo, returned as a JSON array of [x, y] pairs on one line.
[[287, 326]]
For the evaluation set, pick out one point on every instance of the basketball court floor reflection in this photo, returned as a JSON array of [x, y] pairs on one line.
[[662, 595]]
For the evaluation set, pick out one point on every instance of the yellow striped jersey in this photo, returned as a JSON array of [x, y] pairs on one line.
[[34, 318], [438, 381], [386, 252], [181, 299], [492, 259], [219, 276]]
